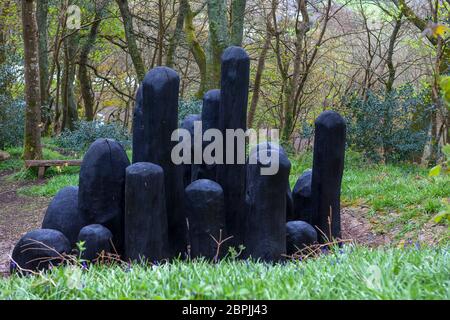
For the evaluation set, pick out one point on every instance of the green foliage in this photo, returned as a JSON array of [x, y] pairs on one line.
[[400, 196], [396, 124], [350, 273], [445, 86], [15, 162], [187, 107], [51, 187], [444, 170], [12, 122], [86, 132]]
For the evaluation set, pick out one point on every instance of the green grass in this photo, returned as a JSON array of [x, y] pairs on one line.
[[13, 163], [353, 273], [59, 178], [398, 195], [51, 187], [17, 164]]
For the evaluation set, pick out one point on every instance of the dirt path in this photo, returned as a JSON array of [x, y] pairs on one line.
[[18, 215]]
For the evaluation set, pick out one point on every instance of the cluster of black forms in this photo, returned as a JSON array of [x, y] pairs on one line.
[[154, 210]]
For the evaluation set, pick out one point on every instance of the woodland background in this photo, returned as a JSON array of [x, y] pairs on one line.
[[381, 63]]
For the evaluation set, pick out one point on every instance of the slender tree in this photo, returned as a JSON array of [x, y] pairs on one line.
[[87, 92], [42, 22], [32, 141], [133, 49]]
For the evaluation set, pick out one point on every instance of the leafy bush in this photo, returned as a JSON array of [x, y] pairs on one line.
[[12, 122], [188, 107], [86, 132], [393, 127]]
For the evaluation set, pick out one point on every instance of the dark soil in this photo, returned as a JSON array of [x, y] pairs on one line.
[[18, 215]]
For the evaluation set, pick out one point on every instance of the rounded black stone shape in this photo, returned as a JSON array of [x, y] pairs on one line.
[[210, 120], [97, 240], [210, 110], [235, 72], [206, 214], [265, 233], [160, 117], [289, 203], [138, 128], [38, 250], [299, 234], [188, 124], [102, 187], [146, 236], [289, 197], [62, 214], [302, 198], [328, 167]]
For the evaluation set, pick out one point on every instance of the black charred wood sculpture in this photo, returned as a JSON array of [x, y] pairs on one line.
[[160, 119], [233, 115], [328, 167], [206, 213], [142, 211], [265, 233], [145, 213], [101, 187]]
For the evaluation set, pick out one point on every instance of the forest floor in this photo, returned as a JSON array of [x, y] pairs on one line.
[[19, 214]]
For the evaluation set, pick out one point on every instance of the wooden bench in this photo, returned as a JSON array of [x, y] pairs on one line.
[[42, 165]]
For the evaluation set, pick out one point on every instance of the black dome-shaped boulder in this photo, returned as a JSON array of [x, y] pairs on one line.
[[38, 250]]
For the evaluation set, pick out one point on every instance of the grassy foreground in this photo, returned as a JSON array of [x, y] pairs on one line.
[[349, 273]]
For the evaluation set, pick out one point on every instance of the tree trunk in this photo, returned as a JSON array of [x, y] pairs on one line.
[[83, 75], [258, 76], [218, 40], [133, 50], [42, 23], [32, 141], [237, 22], [195, 47], [175, 40], [161, 31], [390, 55], [302, 27], [70, 113]]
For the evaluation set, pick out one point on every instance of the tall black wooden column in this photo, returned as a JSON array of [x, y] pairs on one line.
[[138, 129], [145, 213], [265, 234], [102, 186], [206, 214], [328, 167], [233, 115], [160, 118], [210, 120]]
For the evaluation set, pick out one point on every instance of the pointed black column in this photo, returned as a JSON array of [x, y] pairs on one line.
[[265, 234], [189, 169], [145, 213], [160, 118], [302, 198], [328, 167], [102, 186], [206, 215], [210, 120], [233, 115], [138, 129]]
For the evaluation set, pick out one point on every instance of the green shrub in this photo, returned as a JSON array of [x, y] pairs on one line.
[[12, 122], [396, 123], [187, 107], [86, 132]]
